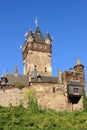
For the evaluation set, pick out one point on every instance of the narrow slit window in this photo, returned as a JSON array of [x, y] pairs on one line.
[[35, 66], [45, 69], [54, 90]]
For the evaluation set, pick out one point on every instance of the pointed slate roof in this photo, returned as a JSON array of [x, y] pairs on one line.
[[48, 36], [38, 36], [78, 62], [30, 33], [12, 79]]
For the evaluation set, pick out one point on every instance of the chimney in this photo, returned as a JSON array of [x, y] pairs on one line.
[[16, 70], [60, 78]]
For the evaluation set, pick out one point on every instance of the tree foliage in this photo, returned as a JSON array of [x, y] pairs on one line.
[[35, 118], [20, 85], [32, 118], [84, 101]]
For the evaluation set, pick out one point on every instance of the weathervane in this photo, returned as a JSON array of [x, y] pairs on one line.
[[36, 21]]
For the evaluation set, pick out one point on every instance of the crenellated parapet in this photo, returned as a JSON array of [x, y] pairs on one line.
[[35, 47]]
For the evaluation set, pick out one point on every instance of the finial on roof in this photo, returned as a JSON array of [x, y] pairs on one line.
[[78, 62], [36, 22], [16, 70]]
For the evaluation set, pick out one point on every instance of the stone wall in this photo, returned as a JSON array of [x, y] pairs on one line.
[[48, 95], [39, 59], [12, 96]]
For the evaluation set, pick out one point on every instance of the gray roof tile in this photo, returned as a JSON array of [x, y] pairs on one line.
[[74, 83], [45, 79], [12, 79]]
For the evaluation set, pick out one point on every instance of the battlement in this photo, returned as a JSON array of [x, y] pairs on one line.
[[35, 47]]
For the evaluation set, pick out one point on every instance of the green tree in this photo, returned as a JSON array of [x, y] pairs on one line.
[[30, 95], [84, 101], [20, 85]]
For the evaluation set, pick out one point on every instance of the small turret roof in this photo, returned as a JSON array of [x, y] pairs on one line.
[[48, 36], [78, 62], [30, 33]]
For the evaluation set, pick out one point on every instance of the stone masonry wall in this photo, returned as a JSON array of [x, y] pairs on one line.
[[13, 96], [48, 96], [42, 60]]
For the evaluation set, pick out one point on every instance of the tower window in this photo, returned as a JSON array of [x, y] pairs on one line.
[[35, 66], [39, 78], [45, 69], [54, 90]]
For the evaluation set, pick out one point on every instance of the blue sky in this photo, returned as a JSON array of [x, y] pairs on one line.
[[65, 20]]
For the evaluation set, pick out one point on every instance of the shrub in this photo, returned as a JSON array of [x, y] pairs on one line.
[[84, 101], [20, 85]]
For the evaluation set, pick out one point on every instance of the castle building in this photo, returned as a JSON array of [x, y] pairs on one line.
[[37, 53], [59, 93]]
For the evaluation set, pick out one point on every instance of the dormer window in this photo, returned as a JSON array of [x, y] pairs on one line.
[[39, 78]]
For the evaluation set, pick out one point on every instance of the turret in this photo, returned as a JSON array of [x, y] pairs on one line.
[[48, 39], [79, 72], [30, 37]]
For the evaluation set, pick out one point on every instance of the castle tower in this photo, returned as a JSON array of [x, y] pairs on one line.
[[37, 53], [79, 72]]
